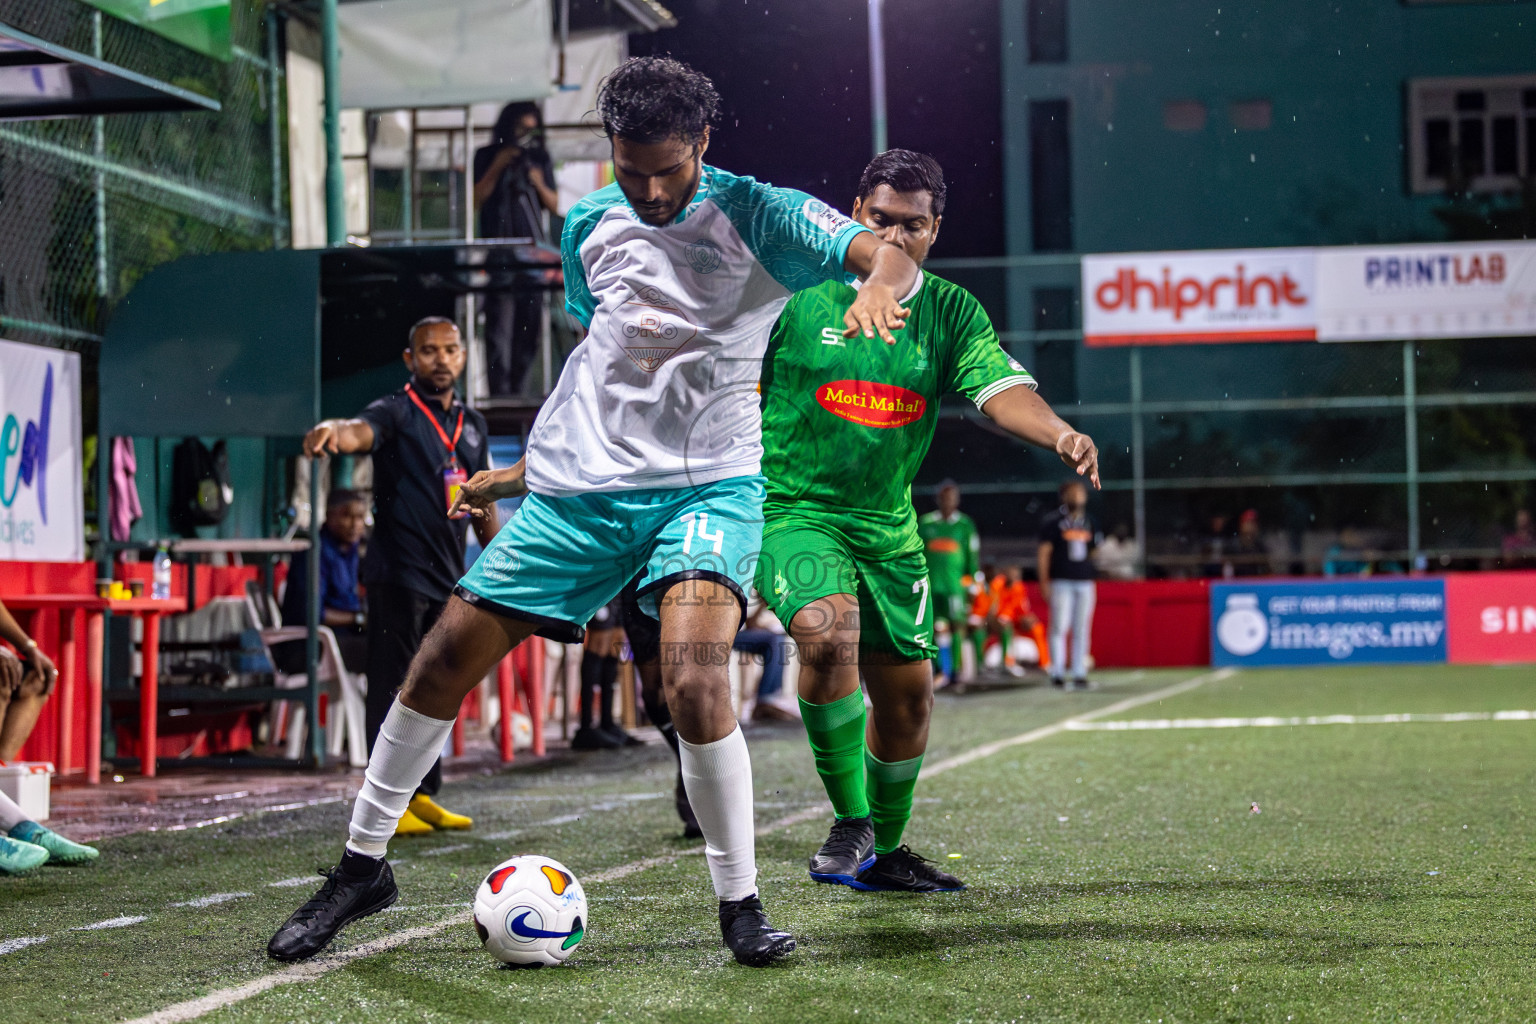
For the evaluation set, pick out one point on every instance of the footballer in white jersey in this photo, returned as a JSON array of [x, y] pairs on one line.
[[642, 466]]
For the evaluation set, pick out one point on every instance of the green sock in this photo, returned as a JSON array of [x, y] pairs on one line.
[[836, 732], [890, 797], [979, 643], [1005, 635]]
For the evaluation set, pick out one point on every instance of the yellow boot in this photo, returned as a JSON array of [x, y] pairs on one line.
[[424, 809], [410, 825]]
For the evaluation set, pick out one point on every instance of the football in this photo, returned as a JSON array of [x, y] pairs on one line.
[[530, 912]]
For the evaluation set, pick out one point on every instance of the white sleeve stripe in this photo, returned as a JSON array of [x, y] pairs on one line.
[[997, 387]]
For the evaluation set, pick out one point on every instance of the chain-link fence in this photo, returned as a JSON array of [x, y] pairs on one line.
[[89, 205], [1390, 453]]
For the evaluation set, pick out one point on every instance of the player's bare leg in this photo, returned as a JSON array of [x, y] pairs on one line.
[[464, 645], [698, 620]]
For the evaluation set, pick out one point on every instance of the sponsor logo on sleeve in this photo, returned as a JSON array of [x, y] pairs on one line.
[[824, 217]]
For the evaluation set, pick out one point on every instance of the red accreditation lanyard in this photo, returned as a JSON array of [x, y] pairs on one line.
[[453, 475]]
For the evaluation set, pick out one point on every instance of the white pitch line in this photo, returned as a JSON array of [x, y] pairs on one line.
[[451, 848], [1141, 724], [313, 969], [988, 749], [214, 900], [293, 883], [115, 922], [12, 945]]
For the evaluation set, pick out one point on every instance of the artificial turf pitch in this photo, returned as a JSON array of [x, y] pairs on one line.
[[1388, 874]]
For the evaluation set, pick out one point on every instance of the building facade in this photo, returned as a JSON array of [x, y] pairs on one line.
[[1177, 125]]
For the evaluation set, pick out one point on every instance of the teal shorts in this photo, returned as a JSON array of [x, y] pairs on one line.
[[558, 560]]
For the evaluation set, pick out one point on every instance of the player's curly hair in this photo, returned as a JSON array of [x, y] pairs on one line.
[[649, 99], [905, 171]]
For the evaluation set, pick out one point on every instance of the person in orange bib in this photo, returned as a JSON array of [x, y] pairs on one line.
[[1012, 612]]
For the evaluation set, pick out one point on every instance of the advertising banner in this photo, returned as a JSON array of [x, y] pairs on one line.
[[1461, 290], [1491, 617], [1328, 622], [1180, 298], [41, 508]]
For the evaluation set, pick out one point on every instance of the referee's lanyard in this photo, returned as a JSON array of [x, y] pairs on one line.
[[453, 474]]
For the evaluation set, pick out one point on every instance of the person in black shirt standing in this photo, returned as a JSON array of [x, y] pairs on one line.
[[1068, 538], [425, 444], [514, 186]]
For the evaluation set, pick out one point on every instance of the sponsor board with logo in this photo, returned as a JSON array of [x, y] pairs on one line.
[[1173, 298], [41, 508], [1347, 293], [1491, 617], [1329, 622], [1459, 290]]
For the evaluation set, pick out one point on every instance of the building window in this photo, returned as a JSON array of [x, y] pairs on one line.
[[1050, 175], [1046, 30], [1184, 116], [1471, 134], [1252, 115]]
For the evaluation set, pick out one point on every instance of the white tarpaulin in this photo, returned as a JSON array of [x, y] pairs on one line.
[[1454, 290], [439, 53], [41, 507]]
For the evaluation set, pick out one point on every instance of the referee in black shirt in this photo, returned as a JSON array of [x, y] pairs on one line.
[[424, 444]]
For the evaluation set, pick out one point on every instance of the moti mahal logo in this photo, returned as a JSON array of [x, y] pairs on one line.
[[870, 404], [653, 329]]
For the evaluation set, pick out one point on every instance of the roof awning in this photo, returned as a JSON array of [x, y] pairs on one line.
[[39, 79]]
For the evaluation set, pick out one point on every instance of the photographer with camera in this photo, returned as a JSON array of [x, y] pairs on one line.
[[514, 186]]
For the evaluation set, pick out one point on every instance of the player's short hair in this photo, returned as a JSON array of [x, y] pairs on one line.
[[424, 322], [1069, 483], [341, 496], [651, 99], [905, 171], [944, 485]]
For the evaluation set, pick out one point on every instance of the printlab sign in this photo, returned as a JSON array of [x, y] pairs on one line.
[[1333, 622], [41, 516]]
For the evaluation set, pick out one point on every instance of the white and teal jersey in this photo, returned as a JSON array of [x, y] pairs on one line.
[[662, 392]]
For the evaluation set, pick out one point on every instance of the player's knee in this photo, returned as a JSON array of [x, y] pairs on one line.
[[697, 680]]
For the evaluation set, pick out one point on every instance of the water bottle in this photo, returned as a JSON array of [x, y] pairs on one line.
[[161, 589]]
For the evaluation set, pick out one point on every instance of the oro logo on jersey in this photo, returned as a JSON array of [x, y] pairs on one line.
[[871, 404], [652, 329]]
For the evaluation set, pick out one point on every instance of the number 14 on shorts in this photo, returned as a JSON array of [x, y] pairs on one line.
[[698, 526]]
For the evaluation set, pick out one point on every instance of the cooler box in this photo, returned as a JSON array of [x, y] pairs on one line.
[[26, 782]]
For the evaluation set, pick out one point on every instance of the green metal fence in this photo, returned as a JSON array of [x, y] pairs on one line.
[[89, 205]]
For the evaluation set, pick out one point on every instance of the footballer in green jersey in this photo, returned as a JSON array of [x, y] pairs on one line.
[[846, 424], [952, 547]]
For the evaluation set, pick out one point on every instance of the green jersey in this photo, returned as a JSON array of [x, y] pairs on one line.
[[847, 421], [951, 547]]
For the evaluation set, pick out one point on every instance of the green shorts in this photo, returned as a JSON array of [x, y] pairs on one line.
[[804, 560]]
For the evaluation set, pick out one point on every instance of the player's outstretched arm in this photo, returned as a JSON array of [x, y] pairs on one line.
[[338, 437], [1026, 415], [888, 273], [480, 493]]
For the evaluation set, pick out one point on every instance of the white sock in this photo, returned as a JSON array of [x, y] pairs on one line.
[[718, 778], [11, 814], [408, 743]]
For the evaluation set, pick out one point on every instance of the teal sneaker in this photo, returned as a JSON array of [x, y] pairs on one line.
[[59, 849], [18, 858]]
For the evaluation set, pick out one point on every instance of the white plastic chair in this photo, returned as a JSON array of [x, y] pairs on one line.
[[349, 727]]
